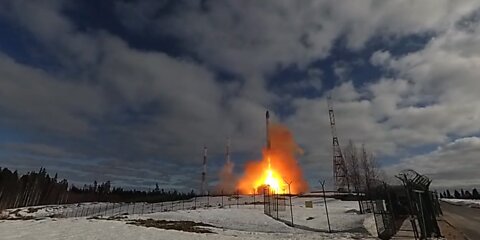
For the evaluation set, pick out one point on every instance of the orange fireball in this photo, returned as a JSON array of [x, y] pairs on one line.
[[277, 167]]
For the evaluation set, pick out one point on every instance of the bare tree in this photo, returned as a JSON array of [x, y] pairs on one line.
[[368, 168], [353, 166], [362, 166]]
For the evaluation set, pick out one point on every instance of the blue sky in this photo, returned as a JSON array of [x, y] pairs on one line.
[[131, 91]]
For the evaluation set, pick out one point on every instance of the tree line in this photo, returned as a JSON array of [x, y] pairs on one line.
[[462, 194], [39, 188], [363, 171]]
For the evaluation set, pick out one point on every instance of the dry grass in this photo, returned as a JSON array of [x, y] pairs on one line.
[[116, 217], [32, 210]]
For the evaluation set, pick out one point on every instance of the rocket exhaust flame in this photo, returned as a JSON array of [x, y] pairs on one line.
[[277, 166], [228, 180]]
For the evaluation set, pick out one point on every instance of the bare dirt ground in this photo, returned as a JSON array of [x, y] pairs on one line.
[[450, 232], [186, 226], [463, 218]]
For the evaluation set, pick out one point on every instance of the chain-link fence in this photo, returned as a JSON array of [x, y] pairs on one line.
[[273, 203], [123, 208], [412, 201]]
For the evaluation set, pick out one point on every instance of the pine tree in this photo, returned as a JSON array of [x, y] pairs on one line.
[[468, 195], [448, 194], [457, 195], [475, 194]]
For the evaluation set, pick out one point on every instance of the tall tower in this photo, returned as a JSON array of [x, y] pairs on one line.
[[203, 190], [340, 172]]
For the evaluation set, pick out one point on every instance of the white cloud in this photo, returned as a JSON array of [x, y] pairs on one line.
[[34, 98], [450, 165], [252, 36], [426, 97], [429, 97]]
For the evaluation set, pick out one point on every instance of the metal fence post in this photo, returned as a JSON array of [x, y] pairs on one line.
[[269, 202], [325, 202], [276, 203]]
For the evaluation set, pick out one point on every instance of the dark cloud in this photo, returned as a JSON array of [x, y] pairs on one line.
[[112, 110]]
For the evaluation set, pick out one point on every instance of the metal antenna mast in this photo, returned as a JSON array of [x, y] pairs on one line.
[[227, 151], [204, 173], [340, 172]]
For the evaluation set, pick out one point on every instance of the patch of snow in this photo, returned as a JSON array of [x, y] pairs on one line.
[[370, 225], [343, 215], [82, 228], [242, 219], [474, 203], [231, 221]]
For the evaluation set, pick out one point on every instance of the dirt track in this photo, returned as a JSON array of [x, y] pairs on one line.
[[463, 218]]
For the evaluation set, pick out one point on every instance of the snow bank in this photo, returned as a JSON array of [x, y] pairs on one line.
[[370, 225], [463, 202], [242, 219], [344, 215], [90, 229], [233, 219]]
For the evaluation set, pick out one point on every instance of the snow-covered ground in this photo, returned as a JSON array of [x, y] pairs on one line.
[[229, 221], [343, 215], [463, 202]]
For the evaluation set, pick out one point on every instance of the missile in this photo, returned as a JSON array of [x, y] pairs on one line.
[[267, 117]]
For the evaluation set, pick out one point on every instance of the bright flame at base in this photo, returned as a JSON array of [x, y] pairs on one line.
[[277, 166], [271, 179]]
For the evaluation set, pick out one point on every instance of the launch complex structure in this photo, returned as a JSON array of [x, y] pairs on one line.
[[204, 187], [340, 171]]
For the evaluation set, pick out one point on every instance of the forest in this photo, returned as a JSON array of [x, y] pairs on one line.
[[39, 188], [461, 194]]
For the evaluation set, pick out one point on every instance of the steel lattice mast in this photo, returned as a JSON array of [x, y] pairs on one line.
[[227, 151], [340, 172], [204, 188]]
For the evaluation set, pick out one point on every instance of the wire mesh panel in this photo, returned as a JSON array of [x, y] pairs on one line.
[[273, 202], [279, 202], [266, 201], [366, 206], [385, 208]]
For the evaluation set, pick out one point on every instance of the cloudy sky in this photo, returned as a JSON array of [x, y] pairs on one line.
[[130, 91]]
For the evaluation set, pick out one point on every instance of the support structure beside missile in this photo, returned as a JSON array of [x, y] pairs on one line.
[[340, 171]]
